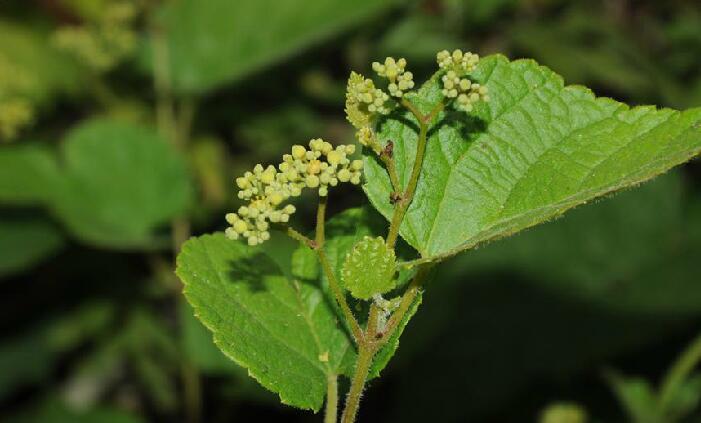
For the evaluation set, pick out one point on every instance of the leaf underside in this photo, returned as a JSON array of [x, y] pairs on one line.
[[535, 150]]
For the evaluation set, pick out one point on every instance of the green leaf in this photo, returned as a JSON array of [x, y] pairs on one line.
[[220, 41], [601, 254], [26, 241], [119, 183], [28, 174], [536, 150], [275, 327]]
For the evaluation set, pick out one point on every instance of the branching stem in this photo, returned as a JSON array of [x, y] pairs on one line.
[[402, 205]]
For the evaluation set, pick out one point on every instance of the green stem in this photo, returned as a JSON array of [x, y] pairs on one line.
[[340, 296], [176, 132], [369, 346], [297, 236], [392, 171], [407, 300], [336, 289], [362, 369], [331, 412], [321, 222], [679, 372], [406, 198]]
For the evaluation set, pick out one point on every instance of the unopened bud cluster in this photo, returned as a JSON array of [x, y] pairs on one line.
[[105, 41], [400, 80], [457, 61], [463, 90], [266, 189], [455, 85]]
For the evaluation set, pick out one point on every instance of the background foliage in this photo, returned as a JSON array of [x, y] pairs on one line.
[[97, 184]]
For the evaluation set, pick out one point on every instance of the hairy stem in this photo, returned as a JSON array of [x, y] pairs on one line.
[[392, 171], [679, 372], [340, 296], [297, 236], [408, 195], [362, 369], [338, 293], [331, 412], [321, 222], [407, 300]]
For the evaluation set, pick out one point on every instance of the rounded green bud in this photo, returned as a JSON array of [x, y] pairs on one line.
[[369, 268]]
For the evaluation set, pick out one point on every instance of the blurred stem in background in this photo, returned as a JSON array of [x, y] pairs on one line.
[[175, 127]]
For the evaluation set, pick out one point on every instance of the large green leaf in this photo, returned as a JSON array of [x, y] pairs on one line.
[[119, 183], [536, 150], [25, 241], [601, 254], [218, 41], [279, 329]]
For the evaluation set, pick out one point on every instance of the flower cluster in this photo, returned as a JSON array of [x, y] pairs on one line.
[[364, 101], [105, 41], [455, 86], [400, 80], [14, 115], [266, 189], [466, 92], [458, 61]]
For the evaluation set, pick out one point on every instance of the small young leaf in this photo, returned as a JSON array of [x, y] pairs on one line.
[[369, 268], [276, 328], [535, 150]]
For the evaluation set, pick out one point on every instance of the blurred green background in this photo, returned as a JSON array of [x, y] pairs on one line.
[[124, 122]]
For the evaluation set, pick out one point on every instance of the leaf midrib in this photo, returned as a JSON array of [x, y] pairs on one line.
[[257, 320]]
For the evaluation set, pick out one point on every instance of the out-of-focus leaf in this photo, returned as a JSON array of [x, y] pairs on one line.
[[418, 38], [209, 160], [28, 174], [277, 328], [534, 151], [686, 399], [119, 183], [637, 397], [601, 254], [29, 358], [220, 41], [31, 68], [26, 241], [505, 336]]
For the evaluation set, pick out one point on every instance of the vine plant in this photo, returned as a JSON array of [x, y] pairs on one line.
[[484, 149]]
